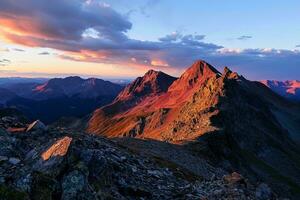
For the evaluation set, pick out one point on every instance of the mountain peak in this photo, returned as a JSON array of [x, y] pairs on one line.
[[152, 72], [152, 82], [152, 75], [201, 68], [198, 72]]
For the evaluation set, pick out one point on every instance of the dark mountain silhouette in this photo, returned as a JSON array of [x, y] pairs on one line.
[[74, 87], [288, 89], [59, 97]]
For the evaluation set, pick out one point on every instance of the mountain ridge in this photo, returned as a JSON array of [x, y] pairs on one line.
[[240, 122]]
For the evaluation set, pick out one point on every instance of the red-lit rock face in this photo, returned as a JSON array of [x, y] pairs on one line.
[[152, 83], [195, 75], [161, 105]]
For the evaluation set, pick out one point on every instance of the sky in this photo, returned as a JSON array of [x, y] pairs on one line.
[[125, 38]]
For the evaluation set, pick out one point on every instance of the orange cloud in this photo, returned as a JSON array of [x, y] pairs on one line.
[[25, 26], [159, 63]]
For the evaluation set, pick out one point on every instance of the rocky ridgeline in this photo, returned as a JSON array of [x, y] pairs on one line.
[[57, 164]]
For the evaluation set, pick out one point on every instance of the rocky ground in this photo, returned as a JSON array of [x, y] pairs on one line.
[[61, 164]]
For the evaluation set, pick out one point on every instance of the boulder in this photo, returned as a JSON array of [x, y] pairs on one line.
[[36, 125], [59, 148], [52, 159], [234, 178]]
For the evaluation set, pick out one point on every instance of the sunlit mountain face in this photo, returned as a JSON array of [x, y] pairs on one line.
[[148, 99]]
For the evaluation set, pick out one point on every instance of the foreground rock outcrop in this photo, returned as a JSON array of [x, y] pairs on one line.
[[60, 164]]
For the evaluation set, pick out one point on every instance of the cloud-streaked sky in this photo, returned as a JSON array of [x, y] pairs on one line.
[[124, 38]]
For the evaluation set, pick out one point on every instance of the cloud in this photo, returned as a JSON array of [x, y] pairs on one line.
[[19, 50], [171, 37], [298, 46], [176, 36], [44, 53], [4, 62], [244, 37], [61, 19], [90, 31]]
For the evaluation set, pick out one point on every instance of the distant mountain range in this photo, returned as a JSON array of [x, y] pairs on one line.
[[5, 81], [59, 97], [288, 89]]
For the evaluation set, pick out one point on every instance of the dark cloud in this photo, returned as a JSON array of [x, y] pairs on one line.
[[4, 62], [44, 53], [187, 39], [20, 50], [171, 37], [62, 19], [244, 37]]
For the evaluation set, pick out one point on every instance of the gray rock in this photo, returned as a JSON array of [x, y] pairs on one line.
[[14, 161], [36, 125], [72, 185], [24, 183], [263, 192], [154, 173], [50, 159]]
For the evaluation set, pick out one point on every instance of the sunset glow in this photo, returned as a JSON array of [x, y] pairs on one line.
[[106, 38]]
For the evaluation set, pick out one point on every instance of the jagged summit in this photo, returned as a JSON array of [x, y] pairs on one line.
[[200, 68], [227, 73], [195, 74], [152, 72], [153, 82]]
